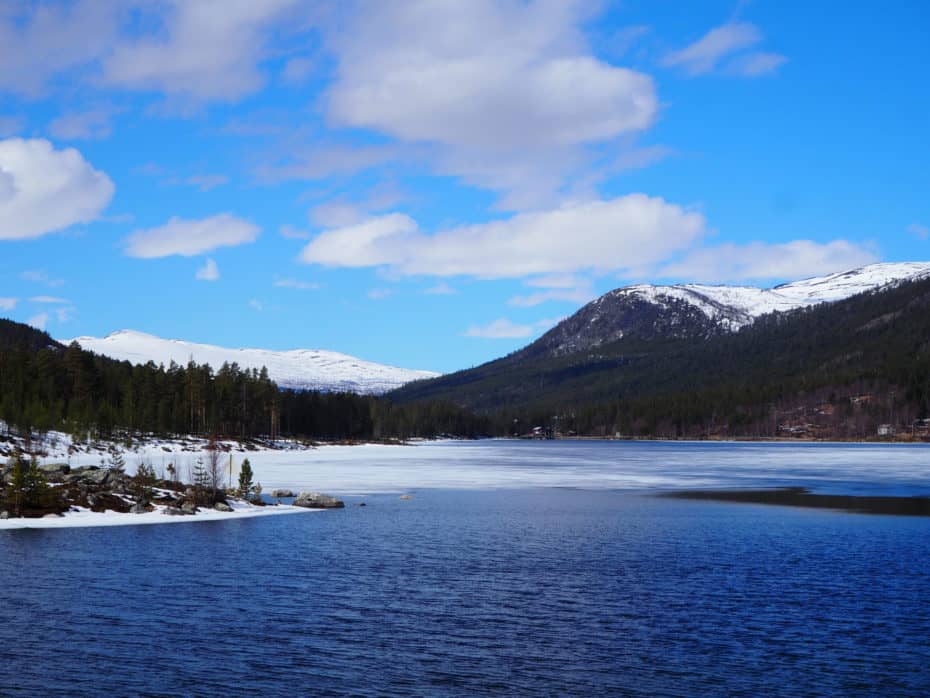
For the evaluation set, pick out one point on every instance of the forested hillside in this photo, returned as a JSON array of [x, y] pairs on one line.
[[46, 386], [833, 370]]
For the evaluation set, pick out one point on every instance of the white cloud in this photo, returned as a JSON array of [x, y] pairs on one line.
[[191, 237], [502, 328], [206, 50], [38, 321], [504, 93], [760, 261], [41, 41], [208, 272], [295, 283], [51, 300], [93, 124], [43, 190], [617, 234], [336, 214], [719, 44], [207, 182], [919, 231], [757, 64], [8, 303], [441, 289]]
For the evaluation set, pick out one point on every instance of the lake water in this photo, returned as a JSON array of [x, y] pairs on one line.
[[514, 569]]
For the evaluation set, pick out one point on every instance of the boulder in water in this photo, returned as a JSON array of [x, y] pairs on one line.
[[315, 500]]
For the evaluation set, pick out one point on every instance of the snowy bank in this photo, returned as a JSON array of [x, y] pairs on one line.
[[85, 518]]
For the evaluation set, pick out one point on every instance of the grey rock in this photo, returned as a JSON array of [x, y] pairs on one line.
[[315, 500], [4, 514], [222, 506], [55, 471], [174, 511], [52, 516], [281, 493], [189, 508], [139, 508]]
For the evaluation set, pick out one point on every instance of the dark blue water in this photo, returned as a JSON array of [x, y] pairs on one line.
[[548, 591]]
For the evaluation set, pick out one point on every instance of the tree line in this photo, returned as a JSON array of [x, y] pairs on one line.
[[45, 386]]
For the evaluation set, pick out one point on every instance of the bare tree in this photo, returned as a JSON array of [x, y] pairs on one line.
[[214, 466]]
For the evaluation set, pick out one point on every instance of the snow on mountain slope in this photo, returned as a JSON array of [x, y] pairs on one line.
[[301, 369], [737, 306]]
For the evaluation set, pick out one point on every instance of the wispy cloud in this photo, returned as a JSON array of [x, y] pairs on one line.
[[208, 272], [40, 276], [711, 51], [39, 321], [761, 261], [502, 328], [8, 303], [255, 304], [440, 289], [52, 300], [295, 283], [378, 294], [921, 232], [207, 182], [188, 238]]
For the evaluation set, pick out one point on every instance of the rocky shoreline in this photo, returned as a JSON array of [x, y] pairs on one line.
[[55, 490]]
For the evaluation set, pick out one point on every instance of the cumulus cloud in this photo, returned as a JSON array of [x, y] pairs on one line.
[[8, 303], [506, 93], [719, 45], [761, 261], [606, 235], [208, 50], [43, 190], [208, 272], [189, 238]]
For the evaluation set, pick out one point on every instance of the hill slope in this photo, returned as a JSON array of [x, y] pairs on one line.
[[301, 369], [814, 358]]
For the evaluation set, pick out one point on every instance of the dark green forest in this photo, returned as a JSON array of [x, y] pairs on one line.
[[46, 386], [833, 371]]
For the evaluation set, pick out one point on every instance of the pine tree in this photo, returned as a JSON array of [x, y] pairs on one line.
[[245, 479]]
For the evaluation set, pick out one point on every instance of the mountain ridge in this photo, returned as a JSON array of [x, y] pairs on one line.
[[298, 369]]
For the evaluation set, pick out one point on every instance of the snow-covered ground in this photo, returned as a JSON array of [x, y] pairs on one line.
[[300, 369], [737, 306], [86, 518]]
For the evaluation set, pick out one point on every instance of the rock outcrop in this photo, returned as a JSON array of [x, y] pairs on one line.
[[315, 500]]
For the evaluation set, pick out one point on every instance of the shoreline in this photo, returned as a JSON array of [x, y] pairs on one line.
[[90, 519]]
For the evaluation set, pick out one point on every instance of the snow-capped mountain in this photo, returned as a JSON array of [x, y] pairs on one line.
[[699, 310], [300, 369]]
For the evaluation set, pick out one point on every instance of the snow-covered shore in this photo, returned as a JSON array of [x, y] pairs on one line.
[[86, 518]]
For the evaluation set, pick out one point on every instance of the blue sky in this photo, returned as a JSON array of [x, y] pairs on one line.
[[433, 184]]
